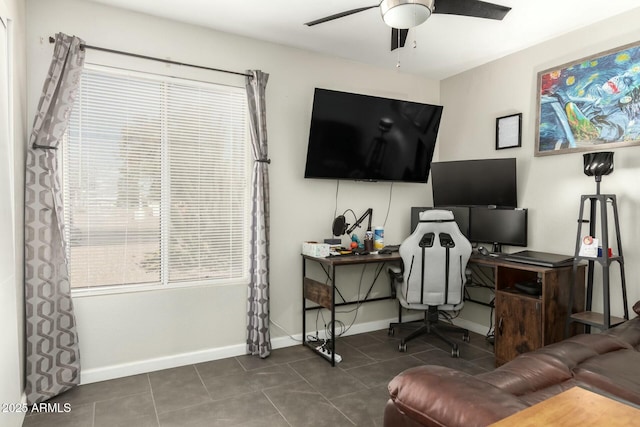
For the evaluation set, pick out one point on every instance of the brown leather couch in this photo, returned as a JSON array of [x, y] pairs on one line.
[[607, 362]]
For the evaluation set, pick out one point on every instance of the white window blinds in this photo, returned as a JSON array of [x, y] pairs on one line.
[[155, 181]]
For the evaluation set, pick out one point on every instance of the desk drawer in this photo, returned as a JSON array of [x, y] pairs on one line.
[[318, 292]]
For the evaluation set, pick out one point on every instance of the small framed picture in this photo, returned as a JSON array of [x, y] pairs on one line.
[[508, 131]]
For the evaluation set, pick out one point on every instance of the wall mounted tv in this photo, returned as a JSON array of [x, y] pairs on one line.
[[368, 138], [488, 182]]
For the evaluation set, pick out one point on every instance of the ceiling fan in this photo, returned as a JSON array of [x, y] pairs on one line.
[[401, 15]]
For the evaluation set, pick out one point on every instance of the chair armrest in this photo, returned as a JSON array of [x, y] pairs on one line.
[[436, 395], [395, 276], [467, 276]]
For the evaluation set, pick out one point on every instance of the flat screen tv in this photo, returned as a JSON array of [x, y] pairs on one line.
[[368, 138], [488, 182]]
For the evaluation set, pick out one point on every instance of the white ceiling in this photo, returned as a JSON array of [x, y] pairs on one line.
[[445, 44]]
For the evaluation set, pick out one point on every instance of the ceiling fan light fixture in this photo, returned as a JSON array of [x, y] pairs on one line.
[[403, 14]]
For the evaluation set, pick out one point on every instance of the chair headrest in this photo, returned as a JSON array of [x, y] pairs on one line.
[[436, 215]]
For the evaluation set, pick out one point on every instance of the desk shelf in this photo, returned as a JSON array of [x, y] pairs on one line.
[[324, 294]]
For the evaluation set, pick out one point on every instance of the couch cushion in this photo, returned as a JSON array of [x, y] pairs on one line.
[[527, 373], [617, 373], [628, 332], [545, 393], [436, 395]]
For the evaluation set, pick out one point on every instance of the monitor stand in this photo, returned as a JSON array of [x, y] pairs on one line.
[[497, 248]]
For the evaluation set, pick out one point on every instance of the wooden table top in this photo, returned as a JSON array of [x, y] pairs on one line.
[[575, 407]]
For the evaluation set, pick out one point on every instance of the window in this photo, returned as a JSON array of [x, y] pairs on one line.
[[155, 181]]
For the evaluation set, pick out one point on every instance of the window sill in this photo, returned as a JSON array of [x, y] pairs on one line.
[[127, 289]]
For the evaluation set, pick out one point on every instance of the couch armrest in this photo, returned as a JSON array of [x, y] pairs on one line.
[[439, 396]]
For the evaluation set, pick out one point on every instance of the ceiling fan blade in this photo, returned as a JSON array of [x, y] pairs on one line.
[[475, 8], [339, 15], [398, 37]]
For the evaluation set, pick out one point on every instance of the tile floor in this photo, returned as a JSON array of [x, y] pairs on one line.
[[291, 388]]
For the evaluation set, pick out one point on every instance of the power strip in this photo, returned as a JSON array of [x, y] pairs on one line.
[[327, 354]]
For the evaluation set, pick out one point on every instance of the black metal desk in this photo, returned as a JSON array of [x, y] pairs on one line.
[[324, 294]]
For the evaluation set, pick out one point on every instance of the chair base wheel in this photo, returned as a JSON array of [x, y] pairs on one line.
[[391, 332], [402, 347], [455, 352]]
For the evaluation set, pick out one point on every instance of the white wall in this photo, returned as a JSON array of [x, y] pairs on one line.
[[12, 136], [149, 330], [550, 187]]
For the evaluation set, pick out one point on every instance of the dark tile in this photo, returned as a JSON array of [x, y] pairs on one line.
[[312, 365], [334, 382], [78, 416], [476, 348], [301, 405], [290, 354], [352, 357], [130, 410], [383, 372], [487, 363], [389, 350], [144, 421], [249, 362], [177, 388], [104, 390], [228, 412], [275, 420], [255, 380], [218, 368], [383, 334], [353, 392], [360, 339], [471, 353], [366, 407]]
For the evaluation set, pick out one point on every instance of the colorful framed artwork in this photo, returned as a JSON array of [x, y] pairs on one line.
[[590, 104], [508, 131]]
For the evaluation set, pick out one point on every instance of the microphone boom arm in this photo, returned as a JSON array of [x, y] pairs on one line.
[[368, 213]]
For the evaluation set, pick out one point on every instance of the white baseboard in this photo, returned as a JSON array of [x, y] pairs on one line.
[[150, 365], [93, 375]]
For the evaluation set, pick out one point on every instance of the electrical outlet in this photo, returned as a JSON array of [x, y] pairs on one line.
[[327, 354]]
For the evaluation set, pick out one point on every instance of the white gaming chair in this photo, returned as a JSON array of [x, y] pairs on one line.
[[433, 274]]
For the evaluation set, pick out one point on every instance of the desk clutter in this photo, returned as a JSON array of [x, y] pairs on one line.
[[322, 250]]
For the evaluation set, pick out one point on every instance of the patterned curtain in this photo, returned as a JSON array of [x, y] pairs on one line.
[[258, 338], [53, 360]]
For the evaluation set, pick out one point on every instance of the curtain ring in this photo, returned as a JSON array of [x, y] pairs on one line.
[[268, 161]]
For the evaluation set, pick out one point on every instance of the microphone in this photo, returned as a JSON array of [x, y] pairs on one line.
[[339, 225]]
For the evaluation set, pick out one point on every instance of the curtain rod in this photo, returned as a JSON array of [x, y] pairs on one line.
[[152, 58]]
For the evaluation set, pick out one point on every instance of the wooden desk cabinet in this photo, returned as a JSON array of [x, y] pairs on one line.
[[523, 322]]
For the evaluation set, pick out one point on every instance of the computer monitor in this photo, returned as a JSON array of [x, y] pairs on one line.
[[485, 182], [460, 214], [498, 227]]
